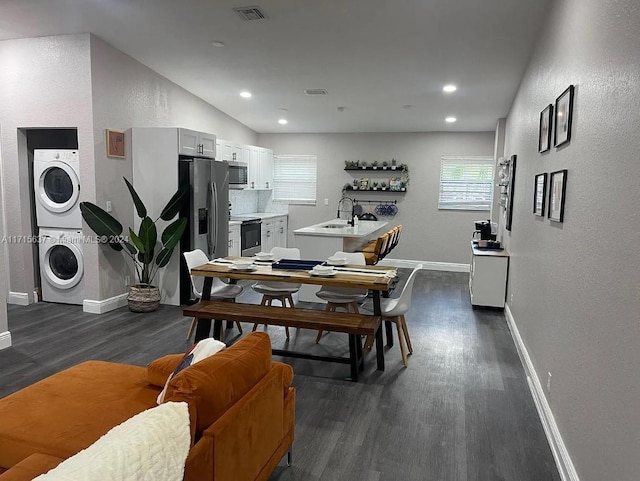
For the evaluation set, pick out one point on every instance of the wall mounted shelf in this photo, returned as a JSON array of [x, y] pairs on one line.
[[378, 169]]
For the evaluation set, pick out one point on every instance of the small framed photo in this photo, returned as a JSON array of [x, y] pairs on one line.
[[540, 194], [557, 191], [115, 144], [364, 183], [510, 188], [544, 136], [564, 114]]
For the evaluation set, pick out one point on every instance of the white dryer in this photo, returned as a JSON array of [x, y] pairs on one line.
[[56, 183], [62, 266]]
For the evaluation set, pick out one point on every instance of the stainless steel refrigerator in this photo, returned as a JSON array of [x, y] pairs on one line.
[[207, 212]]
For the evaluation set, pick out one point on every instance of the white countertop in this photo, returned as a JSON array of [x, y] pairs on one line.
[[363, 229], [253, 215]]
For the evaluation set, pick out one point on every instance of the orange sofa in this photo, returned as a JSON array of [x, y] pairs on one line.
[[241, 408]]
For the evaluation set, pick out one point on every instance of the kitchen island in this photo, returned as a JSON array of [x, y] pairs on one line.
[[322, 240]]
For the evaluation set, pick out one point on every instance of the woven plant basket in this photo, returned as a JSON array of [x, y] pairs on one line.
[[143, 298]]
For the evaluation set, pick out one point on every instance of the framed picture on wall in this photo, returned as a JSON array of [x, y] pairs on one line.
[[544, 134], [510, 187], [115, 144], [557, 191], [539, 194], [563, 117]]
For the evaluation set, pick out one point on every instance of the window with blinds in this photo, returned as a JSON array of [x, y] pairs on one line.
[[466, 183], [294, 179]]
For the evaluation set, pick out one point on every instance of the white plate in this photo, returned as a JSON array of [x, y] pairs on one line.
[[264, 258], [243, 268], [323, 274], [340, 262]]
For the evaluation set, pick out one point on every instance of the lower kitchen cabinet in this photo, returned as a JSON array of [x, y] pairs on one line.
[[267, 235], [234, 240], [280, 231], [488, 277]]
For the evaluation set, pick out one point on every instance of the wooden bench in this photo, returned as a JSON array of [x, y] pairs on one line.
[[355, 325]]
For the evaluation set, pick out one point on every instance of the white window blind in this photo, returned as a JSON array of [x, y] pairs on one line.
[[294, 179], [466, 183]]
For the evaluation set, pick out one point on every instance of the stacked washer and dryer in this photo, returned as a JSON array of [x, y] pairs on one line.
[[56, 181]]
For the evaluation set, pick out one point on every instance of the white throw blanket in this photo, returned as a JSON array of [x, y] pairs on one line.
[[150, 446]]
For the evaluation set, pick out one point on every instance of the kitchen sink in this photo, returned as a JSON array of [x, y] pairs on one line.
[[334, 226]]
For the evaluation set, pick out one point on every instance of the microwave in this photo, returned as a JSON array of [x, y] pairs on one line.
[[238, 175]]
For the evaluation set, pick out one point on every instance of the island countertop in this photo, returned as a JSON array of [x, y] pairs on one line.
[[340, 228]]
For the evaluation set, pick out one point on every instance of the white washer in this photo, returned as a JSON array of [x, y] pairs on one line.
[[56, 183], [62, 266]]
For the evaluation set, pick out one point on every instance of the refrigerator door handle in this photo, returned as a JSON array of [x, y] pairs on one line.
[[209, 242], [214, 208]]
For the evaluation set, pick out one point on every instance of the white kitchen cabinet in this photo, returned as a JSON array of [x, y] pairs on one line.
[[280, 229], [252, 155], [234, 240], [237, 153], [191, 142], [488, 277], [267, 235], [265, 161], [224, 150]]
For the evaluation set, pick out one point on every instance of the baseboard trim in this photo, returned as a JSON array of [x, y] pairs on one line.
[[5, 340], [18, 298], [561, 455], [100, 307], [428, 265]]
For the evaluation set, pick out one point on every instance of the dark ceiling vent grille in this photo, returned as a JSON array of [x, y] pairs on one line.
[[315, 92], [250, 13]]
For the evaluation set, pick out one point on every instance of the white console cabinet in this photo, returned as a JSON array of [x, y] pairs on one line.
[[488, 277]]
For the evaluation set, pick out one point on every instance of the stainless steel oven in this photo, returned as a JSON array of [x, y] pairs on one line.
[[250, 237]]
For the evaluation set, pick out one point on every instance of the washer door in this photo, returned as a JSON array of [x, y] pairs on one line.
[[63, 266], [58, 187]]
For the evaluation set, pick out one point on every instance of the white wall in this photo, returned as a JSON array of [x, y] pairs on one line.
[[44, 82], [575, 285], [429, 234]]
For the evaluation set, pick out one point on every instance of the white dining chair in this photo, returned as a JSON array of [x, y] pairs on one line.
[[219, 290], [394, 308], [344, 297], [280, 291]]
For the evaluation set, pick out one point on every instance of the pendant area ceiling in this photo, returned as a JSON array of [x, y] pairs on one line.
[[383, 63]]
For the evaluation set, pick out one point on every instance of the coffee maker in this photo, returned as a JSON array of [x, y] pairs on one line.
[[485, 235]]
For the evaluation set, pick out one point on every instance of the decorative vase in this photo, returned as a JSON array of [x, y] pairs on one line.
[[143, 298]]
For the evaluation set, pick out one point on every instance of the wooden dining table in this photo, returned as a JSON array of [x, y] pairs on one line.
[[376, 279]]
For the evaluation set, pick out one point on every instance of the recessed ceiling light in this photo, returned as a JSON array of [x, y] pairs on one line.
[[245, 94], [217, 43], [283, 121], [449, 88], [450, 119]]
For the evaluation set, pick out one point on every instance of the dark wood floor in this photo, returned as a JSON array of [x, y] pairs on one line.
[[461, 411]]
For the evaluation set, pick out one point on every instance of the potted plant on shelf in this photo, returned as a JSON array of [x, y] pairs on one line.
[[384, 165], [393, 164], [383, 185], [356, 182], [375, 186], [375, 165], [363, 164], [147, 260]]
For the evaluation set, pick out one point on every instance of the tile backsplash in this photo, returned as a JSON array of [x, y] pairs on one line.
[[250, 201]]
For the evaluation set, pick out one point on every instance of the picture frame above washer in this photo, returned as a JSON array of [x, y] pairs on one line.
[[563, 117], [546, 125], [115, 144], [557, 193]]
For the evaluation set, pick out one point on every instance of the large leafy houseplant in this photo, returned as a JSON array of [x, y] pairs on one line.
[[140, 247]]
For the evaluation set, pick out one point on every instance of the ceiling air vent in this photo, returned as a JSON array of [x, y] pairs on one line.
[[250, 13], [315, 92]]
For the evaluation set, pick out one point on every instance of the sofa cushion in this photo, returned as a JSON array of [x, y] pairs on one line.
[[151, 445], [31, 467], [198, 352], [68, 411], [213, 385], [160, 369]]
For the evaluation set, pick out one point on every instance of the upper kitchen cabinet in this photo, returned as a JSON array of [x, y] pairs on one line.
[[265, 164], [191, 142], [229, 151], [260, 167]]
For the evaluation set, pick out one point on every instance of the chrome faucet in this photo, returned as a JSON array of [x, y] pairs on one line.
[[341, 208]]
